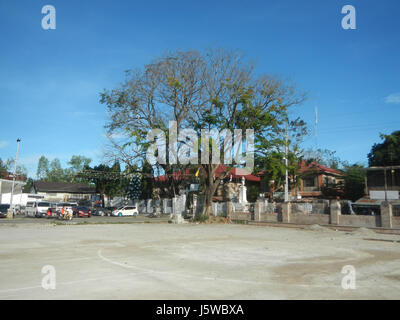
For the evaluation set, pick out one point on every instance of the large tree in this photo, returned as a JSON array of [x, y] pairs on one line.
[[270, 160], [216, 89], [325, 157], [386, 153], [56, 172], [42, 168], [76, 165], [354, 181], [3, 169]]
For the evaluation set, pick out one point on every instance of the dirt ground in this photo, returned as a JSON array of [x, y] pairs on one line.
[[194, 261]]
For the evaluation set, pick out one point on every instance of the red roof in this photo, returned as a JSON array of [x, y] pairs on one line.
[[236, 173], [313, 166], [178, 175]]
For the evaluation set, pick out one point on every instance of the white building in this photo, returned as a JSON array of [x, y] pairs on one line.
[[5, 191]]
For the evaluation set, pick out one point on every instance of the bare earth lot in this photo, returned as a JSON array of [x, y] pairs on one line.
[[166, 261]]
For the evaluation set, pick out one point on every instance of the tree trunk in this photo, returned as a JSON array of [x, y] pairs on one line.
[[210, 188]]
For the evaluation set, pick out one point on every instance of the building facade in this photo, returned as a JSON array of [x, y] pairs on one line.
[[63, 191]]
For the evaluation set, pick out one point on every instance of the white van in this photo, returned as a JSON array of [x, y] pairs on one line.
[[37, 209]]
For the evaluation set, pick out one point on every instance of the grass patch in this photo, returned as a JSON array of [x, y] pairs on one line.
[[240, 221]]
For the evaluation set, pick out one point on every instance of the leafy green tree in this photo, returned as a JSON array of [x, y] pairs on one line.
[[8, 167], [114, 186], [28, 186], [252, 193], [272, 161], [147, 181], [100, 179], [108, 180], [76, 165], [3, 169], [42, 168], [216, 89], [56, 172], [354, 182], [386, 153], [325, 157]]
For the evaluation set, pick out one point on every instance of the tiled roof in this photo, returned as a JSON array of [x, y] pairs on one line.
[[313, 166], [45, 186]]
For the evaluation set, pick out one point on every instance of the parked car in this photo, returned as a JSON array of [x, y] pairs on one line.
[[3, 210], [125, 211], [37, 209], [98, 211], [81, 212]]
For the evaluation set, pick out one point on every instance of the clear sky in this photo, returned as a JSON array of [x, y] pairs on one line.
[[50, 80]]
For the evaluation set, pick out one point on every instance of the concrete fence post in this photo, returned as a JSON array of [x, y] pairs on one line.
[[286, 211], [335, 212], [257, 210], [174, 206], [229, 209], [10, 214], [386, 215]]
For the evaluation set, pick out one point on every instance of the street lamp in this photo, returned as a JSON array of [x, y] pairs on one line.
[[14, 174]]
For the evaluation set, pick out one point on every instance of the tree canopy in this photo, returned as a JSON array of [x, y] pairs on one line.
[[386, 153], [215, 89], [53, 171]]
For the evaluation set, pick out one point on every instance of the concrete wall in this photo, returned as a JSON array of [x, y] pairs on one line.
[[312, 218], [291, 213], [270, 217], [396, 222], [247, 216], [360, 221]]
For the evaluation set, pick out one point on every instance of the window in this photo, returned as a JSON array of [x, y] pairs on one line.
[[43, 204], [309, 182]]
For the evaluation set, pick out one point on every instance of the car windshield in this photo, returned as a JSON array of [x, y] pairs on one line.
[[4, 207], [83, 208], [43, 204]]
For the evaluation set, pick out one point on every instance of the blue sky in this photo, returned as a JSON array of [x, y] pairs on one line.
[[50, 80]]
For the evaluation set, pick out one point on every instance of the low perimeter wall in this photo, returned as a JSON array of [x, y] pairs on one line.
[[311, 218], [333, 217]]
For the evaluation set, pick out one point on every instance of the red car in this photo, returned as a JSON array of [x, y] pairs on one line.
[[81, 212]]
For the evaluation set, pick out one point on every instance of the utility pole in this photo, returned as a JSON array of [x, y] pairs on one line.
[[14, 174], [286, 166]]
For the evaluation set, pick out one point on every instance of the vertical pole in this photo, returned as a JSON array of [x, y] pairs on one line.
[[286, 167], [15, 172], [384, 172]]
